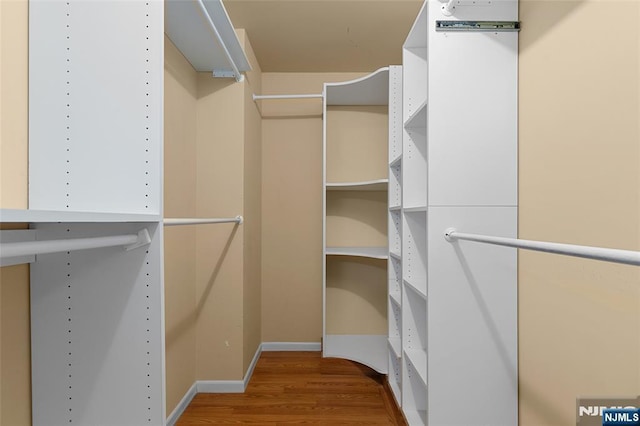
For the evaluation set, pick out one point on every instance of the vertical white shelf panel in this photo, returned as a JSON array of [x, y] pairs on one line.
[[95, 106], [473, 336], [97, 336]]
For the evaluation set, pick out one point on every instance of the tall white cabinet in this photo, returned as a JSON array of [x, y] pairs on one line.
[[458, 168]]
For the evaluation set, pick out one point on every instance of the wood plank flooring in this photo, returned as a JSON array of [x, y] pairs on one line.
[[300, 388]]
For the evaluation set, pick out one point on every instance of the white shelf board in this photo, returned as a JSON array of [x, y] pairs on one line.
[[192, 34], [373, 252], [418, 359], [418, 34], [395, 255], [419, 117], [396, 161], [368, 349], [395, 345], [395, 208], [415, 209], [395, 298], [54, 216], [367, 185], [415, 417], [372, 89], [410, 285]]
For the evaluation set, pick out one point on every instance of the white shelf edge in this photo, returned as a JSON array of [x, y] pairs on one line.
[[395, 345], [56, 216], [371, 252], [418, 359], [395, 208], [395, 161], [418, 119], [415, 289], [395, 255], [416, 209], [367, 185]]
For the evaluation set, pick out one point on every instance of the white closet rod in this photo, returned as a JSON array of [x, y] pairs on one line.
[[626, 257], [310, 95], [196, 221], [31, 248], [236, 72]]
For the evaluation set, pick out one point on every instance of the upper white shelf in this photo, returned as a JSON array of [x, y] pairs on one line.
[[52, 216], [369, 185], [372, 89], [373, 252], [418, 35], [203, 32]]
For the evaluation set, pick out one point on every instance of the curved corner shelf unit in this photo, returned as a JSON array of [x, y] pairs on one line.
[[356, 115]]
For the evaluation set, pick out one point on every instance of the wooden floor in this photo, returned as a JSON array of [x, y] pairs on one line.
[[300, 388]]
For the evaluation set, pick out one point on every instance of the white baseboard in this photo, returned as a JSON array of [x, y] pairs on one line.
[[292, 346], [237, 386], [182, 405], [220, 386]]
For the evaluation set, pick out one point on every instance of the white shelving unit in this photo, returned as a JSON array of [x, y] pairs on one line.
[[350, 110], [458, 169], [95, 178]]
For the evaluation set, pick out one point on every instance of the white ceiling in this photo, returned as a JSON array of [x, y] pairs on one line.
[[325, 35]]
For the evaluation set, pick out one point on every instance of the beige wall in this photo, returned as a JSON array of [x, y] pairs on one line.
[[579, 183], [180, 97], [357, 148], [14, 39], [292, 208], [15, 358]]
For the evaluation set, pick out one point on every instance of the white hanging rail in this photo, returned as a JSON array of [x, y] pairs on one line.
[[236, 72], [626, 257], [306, 96], [196, 221], [30, 248]]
